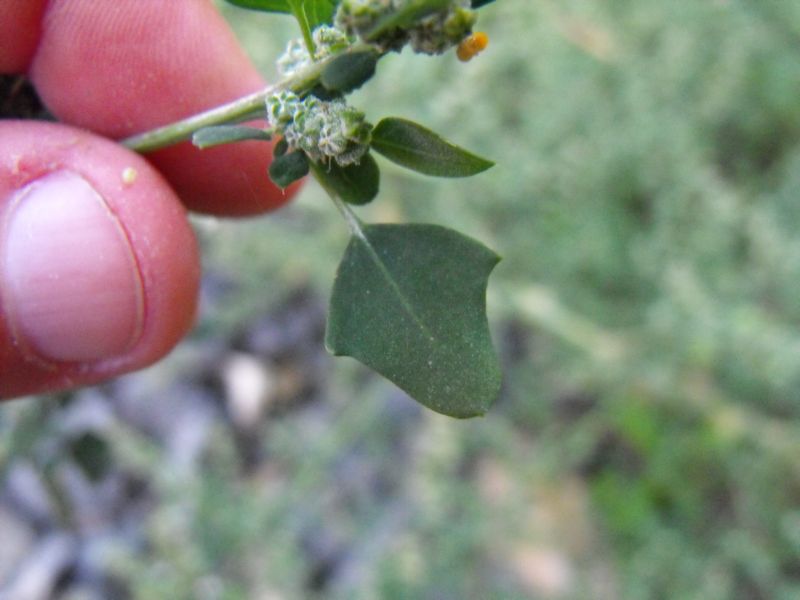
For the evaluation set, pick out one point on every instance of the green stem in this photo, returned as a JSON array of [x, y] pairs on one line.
[[356, 227], [352, 220], [252, 106], [242, 109], [299, 11]]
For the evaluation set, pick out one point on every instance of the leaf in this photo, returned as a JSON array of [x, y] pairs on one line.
[[225, 134], [415, 147], [285, 169], [479, 3], [355, 184], [310, 14], [409, 301], [320, 12], [299, 12], [349, 71], [265, 5], [280, 148]]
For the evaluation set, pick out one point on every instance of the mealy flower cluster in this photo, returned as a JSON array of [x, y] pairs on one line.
[[323, 130], [327, 40], [434, 33], [332, 130]]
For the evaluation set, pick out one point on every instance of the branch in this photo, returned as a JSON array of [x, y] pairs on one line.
[[242, 109]]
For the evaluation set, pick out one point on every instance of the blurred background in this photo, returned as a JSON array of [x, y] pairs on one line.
[[646, 201]]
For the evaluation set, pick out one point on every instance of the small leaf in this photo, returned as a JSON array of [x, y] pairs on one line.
[[415, 147], [355, 184], [225, 134], [349, 71], [312, 12], [409, 301], [319, 91], [265, 5], [280, 148], [285, 169]]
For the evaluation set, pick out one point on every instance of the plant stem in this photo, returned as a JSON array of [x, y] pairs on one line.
[[242, 109], [252, 106], [354, 224], [299, 12]]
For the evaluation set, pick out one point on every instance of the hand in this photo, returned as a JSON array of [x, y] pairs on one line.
[[98, 266]]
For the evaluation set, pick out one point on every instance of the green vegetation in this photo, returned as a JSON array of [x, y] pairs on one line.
[[646, 444], [392, 292]]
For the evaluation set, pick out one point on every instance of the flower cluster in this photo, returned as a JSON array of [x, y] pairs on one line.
[[323, 130], [327, 40], [434, 33]]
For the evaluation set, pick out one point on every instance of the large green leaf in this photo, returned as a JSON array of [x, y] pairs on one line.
[[409, 301], [413, 146]]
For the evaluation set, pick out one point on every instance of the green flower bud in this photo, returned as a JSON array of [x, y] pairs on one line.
[[433, 34], [323, 130], [329, 40], [281, 108], [441, 31]]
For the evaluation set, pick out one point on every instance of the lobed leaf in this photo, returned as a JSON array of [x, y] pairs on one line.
[[409, 301], [415, 147]]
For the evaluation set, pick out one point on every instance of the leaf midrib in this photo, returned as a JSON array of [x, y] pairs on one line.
[[387, 274], [416, 151]]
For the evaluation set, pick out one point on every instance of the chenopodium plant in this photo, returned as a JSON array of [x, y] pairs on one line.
[[408, 300]]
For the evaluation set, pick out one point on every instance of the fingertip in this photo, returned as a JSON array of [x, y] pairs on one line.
[[98, 266]]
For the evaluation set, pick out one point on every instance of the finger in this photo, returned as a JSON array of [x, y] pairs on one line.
[[98, 265], [123, 67], [20, 27]]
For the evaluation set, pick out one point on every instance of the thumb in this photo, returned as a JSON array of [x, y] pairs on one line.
[[98, 266]]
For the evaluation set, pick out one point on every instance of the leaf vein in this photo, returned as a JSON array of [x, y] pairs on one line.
[[387, 274]]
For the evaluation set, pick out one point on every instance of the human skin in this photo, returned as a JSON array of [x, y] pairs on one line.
[[99, 268]]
